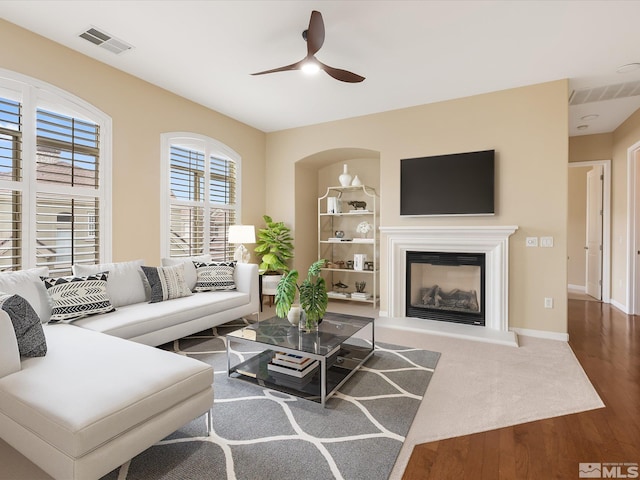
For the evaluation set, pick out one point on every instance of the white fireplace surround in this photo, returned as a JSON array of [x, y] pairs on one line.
[[493, 241]]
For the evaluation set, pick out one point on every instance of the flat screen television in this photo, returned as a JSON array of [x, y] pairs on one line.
[[455, 184]]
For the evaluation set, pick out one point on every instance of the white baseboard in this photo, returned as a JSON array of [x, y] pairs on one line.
[[527, 332], [620, 306], [577, 288]]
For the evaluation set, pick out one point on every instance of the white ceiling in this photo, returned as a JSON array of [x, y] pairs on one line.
[[411, 52]]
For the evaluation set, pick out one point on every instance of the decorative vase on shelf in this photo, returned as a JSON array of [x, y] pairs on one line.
[[356, 181], [345, 178]]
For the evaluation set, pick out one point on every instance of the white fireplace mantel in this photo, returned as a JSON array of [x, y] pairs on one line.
[[493, 241]]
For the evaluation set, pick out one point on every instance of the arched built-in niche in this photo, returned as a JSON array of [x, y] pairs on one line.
[[313, 174]]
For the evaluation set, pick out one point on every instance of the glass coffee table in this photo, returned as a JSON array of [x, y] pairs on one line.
[[274, 354]]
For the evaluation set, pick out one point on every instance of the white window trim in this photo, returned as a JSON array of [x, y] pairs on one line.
[[36, 92], [197, 141]]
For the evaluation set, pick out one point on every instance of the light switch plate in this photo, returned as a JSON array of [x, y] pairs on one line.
[[532, 241], [546, 241]]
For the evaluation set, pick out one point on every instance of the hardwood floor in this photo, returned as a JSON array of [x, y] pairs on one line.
[[607, 344]]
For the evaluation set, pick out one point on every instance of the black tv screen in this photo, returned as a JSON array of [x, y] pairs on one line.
[[455, 184]]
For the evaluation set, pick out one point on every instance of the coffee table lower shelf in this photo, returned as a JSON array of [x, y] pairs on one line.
[[339, 367]]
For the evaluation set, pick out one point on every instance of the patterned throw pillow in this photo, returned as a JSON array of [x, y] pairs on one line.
[[76, 297], [26, 324], [166, 283], [215, 276]]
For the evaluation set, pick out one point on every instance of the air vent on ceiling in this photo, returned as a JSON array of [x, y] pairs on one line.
[[106, 41], [607, 92]]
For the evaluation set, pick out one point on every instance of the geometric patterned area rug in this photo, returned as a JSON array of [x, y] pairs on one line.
[[263, 434]]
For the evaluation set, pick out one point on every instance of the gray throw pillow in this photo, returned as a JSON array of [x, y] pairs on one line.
[[26, 323]]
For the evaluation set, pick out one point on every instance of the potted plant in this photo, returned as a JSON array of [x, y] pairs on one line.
[[312, 292], [275, 247]]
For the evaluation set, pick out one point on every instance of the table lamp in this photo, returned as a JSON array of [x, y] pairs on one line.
[[241, 234]]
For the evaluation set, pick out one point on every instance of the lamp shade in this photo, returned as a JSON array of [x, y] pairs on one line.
[[242, 234]]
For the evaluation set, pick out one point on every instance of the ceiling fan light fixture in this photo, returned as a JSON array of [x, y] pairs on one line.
[[310, 67]]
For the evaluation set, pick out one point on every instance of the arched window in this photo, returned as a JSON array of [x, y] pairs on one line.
[[200, 191], [55, 164]]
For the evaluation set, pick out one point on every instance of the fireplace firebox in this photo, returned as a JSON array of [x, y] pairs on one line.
[[446, 286]]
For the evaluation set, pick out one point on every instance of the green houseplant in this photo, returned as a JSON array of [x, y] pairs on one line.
[[312, 292], [274, 246]]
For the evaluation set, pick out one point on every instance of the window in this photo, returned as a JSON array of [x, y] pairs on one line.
[[201, 192], [54, 150]]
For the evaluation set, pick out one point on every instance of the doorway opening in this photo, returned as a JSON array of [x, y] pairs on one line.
[[589, 230]]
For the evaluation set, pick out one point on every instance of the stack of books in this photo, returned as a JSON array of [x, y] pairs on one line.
[[338, 294], [361, 295], [294, 365]]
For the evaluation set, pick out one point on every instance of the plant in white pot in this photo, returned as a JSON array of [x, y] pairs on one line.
[[274, 245], [312, 293]]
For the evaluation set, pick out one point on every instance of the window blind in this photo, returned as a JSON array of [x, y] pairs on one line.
[[201, 210], [10, 140], [67, 150], [10, 230], [66, 231]]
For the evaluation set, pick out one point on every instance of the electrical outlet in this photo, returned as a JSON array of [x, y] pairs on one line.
[[546, 242], [532, 241], [548, 302]]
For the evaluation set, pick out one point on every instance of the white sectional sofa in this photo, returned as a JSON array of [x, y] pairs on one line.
[[96, 398]]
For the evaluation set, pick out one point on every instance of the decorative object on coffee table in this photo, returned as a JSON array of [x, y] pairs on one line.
[[312, 292]]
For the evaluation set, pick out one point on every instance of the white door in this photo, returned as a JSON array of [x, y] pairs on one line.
[[594, 233]]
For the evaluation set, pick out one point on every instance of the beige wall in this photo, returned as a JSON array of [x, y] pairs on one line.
[[586, 148], [528, 128], [624, 137], [140, 113]]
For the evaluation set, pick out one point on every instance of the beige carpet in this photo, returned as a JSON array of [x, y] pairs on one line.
[[479, 387], [476, 387]]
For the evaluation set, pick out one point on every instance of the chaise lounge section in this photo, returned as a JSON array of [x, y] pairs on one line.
[[102, 394]]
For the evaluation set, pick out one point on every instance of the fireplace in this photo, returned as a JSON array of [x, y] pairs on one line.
[[491, 241], [446, 286]]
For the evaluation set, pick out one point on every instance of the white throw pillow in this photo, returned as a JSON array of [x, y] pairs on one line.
[[190, 275], [125, 283], [28, 285]]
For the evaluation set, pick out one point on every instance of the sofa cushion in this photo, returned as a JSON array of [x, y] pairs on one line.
[[167, 283], [75, 297], [28, 285], [26, 324], [214, 276], [97, 387], [9, 354], [190, 275], [139, 319], [125, 284]]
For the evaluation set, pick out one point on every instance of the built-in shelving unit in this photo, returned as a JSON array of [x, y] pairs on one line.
[[336, 215]]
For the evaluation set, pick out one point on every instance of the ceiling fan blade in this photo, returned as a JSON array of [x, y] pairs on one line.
[[293, 66], [342, 75], [315, 33]]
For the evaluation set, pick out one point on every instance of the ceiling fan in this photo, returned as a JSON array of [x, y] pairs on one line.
[[314, 37]]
